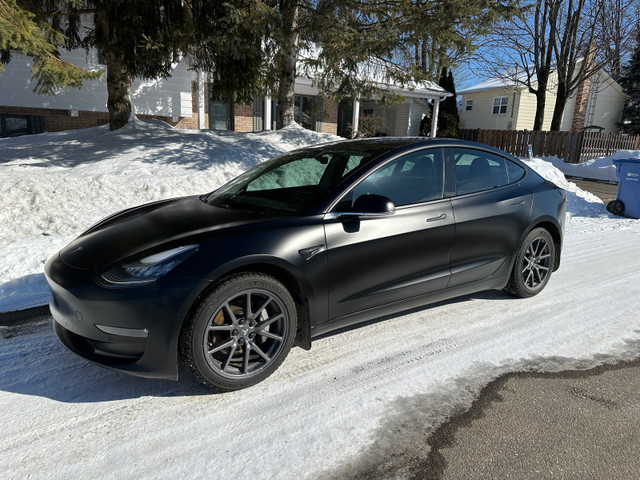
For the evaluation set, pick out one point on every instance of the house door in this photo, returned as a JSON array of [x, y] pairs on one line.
[[220, 114], [345, 117]]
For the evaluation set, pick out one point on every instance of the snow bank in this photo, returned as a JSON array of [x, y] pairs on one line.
[[598, 168], [56, 185]]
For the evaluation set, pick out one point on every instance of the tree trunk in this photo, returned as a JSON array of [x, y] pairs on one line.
[[558, 109], [119, 93], [288, 59], [541, 100], [118, 81]]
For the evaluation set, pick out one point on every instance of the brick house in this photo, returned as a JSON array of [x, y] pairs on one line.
[[182, 101]]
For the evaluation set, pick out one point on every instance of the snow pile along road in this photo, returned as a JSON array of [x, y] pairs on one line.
[[360, 401], [56, 185]]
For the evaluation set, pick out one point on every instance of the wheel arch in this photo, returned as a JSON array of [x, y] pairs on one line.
[[556, 234], [550, 225], [301, 293]]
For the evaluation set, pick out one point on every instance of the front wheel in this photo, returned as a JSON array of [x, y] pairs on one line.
[[240, 333], [533, 265]]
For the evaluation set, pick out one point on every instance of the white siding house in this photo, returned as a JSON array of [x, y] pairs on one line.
[[182, 100], [162, 97]]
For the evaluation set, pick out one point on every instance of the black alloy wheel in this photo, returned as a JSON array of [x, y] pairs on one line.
[[240, 333], [534, 264]]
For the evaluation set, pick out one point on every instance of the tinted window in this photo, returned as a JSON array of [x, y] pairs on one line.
[[477, 170], [291, 183], [413, 178], [515, 171]]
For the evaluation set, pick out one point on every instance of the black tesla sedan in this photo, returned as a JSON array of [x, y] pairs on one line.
[[311, 241]]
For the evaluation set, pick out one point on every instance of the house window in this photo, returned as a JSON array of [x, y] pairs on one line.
[[258, 114], [15, 125], [305, 112], [468, 106], [500, 105], [102, 60]]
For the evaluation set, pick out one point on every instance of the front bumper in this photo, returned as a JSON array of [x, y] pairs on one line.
[[134, 330]]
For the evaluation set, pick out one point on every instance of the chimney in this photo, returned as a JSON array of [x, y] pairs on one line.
[[582, 94]]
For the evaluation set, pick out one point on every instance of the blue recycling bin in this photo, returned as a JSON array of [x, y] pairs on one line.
[[627, 202]]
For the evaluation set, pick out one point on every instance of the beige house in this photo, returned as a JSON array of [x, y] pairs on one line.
[[504, 104]]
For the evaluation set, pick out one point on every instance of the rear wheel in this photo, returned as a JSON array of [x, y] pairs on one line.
[[240, 333], [533, 265]]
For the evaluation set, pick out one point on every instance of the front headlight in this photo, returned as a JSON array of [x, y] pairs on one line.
[[146, 270]]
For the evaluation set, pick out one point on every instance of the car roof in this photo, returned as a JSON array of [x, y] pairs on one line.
[[382, 145]]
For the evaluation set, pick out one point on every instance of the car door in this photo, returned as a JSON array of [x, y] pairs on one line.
[[376, 261], [491, 211]]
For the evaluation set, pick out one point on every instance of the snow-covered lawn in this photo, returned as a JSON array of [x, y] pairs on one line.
[[356, 399]]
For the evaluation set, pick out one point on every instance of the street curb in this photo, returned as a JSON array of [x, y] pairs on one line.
[[19, 317]]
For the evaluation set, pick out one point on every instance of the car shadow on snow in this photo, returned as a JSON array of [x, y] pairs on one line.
[[37, 364]]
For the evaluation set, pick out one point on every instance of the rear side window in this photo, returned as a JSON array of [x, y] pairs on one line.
[[477, 170]]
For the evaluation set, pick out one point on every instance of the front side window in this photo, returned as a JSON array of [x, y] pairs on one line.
[[413, 178], [500, 105], [477, 170], [292, 183]]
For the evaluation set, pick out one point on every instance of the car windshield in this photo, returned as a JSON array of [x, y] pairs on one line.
[[292, 183]]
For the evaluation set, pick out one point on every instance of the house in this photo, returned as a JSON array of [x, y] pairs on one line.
[[503, 103], [183, 101]]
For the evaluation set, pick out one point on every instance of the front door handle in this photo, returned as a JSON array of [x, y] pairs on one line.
[[442, 216]]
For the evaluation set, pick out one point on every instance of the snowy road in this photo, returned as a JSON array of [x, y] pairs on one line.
[[357, 397]]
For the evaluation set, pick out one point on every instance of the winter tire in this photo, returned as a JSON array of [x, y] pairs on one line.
[[534, 264], [240, 333]]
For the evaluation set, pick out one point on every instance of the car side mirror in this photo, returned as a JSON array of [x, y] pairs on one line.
[[372, 205]]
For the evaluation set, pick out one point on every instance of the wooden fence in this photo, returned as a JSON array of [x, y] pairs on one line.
[[573, 147]]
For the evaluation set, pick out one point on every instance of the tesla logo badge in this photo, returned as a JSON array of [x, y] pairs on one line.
[[79, 318], [308, 253]]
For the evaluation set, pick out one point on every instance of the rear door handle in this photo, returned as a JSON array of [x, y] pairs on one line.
[[518, 204], [442, 216]]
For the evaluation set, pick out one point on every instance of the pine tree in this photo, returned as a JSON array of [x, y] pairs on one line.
[[630, 83], [365, 47], [448, 120], [21, 31]]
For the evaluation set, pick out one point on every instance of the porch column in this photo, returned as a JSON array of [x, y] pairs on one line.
[[434, 117], [355, 119], [201, 119], [410, 117], [267, 112]]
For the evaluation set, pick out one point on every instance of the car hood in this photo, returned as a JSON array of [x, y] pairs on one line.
[[170, 222]]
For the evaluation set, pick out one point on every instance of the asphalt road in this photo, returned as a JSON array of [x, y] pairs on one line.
[[569, 425]]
